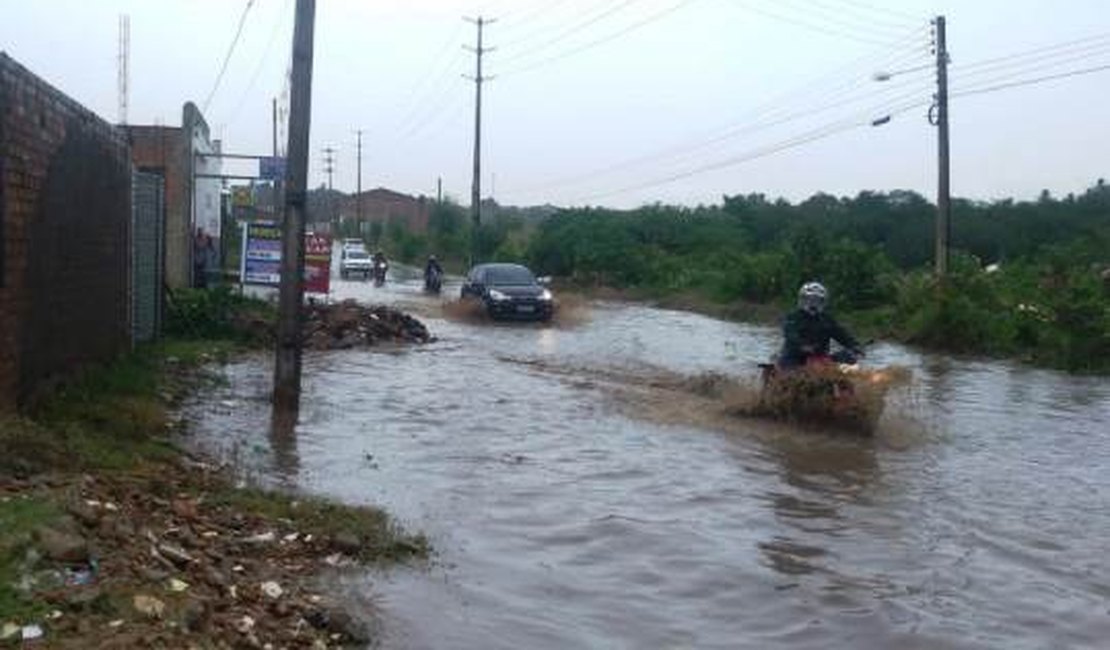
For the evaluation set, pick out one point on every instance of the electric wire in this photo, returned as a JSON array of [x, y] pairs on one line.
[[1029, 82], [799, 22], [599, 41], [227, 57], [808, 137], [574, 29], [278, 24]]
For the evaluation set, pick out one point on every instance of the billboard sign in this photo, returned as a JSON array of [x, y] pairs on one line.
[[261, 257]]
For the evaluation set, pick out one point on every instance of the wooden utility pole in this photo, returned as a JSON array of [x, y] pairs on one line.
[[944, 214], [287, 361], [476, 182]]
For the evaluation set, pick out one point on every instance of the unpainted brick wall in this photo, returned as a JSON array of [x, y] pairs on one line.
[[65, 204]]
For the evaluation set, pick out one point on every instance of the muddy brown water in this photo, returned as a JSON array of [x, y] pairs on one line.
[[576, 503]]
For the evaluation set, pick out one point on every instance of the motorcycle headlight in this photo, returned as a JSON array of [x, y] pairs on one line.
[[546, 295], [494, 294]]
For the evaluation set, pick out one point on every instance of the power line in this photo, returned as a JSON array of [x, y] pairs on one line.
[[828, 31], [868, 14], [839, 18], [586, 46], [278, 24], [227, 57], [813, 135], [1029, 82], [564, 34], [999, 75], [1039, 50], [775, 113]]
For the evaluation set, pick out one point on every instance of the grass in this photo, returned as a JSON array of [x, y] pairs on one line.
[[379, 538], [20, 516]]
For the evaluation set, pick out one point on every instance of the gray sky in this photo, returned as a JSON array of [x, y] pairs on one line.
[[616, 102]]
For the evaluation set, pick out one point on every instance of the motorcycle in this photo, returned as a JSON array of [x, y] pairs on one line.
[[380, 267], [433, 281], [830, 390]]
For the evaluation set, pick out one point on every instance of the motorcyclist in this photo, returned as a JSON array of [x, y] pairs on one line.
[[432, 272], [432, 266], [380, 266], [807, 330]]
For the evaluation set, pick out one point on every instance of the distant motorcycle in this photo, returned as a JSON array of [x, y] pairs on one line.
[[380, 267], [433, 281]]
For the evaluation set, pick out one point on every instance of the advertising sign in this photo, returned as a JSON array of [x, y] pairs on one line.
[[317, 263], [261, 257], [271, 169]]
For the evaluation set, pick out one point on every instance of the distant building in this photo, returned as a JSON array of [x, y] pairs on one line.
[[191, 204], [385, 206]]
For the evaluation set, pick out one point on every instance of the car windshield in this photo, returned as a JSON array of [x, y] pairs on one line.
[[357, 255], [501, 275]]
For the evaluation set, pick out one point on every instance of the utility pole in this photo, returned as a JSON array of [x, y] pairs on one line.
[[944, 215], [329, 169], [358, 190], [275, 125], [287, 361], [439, 189], [476, 182]]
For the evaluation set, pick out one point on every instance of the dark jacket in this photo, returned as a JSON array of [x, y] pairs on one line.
[[432, 265], [806, 334]]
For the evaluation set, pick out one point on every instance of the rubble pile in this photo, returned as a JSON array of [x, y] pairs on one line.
[[149, 562], [348, 324]]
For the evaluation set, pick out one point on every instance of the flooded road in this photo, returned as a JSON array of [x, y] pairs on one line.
[[572, 504]]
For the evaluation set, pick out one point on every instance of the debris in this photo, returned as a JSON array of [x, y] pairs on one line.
[[31, 632], [63, 546], [177, 586], [347, 543], [9, 630], [148, 606], [245, 624], [116, 623], [175, 553], [261, 538], [348, 324], [272, 589]]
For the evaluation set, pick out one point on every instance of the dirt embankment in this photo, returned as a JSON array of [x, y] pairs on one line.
[[112, 537]]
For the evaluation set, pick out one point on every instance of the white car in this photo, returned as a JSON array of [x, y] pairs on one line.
[[355, 261]]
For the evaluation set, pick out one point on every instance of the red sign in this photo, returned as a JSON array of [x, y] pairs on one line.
[[317, 263]]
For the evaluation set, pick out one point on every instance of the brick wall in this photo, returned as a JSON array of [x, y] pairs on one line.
[[65, 204]]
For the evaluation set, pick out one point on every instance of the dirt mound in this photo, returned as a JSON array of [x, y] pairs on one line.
[[348, 324]]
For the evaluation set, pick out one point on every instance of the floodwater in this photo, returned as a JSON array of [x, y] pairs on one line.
[[575, 502]]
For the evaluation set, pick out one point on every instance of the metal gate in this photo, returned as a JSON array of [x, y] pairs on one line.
[[147, 256]]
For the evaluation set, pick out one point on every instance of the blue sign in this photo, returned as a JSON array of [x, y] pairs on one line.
[[271, 169]]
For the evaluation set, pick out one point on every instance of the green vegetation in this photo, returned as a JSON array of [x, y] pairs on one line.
[[1047, 301], [19, 518], [218, 314]]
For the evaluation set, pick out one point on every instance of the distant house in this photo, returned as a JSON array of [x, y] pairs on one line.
[[385, 206]]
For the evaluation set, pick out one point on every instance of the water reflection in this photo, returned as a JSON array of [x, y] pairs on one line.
[[283, 444]]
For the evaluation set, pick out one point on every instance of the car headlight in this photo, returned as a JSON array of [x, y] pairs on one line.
[[546, 295], [494, 294]]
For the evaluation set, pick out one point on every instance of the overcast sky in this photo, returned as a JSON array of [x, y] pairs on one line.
[[617, 102]]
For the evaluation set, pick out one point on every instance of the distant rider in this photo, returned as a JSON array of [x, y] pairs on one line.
[[432, 266], [807, 330]]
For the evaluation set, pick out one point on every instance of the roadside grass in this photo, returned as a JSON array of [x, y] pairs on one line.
[[379, 538], [20, 516]]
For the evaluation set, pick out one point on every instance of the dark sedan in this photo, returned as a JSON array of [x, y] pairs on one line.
[[509, 291]]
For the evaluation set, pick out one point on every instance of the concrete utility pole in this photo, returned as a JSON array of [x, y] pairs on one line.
[[476, 182], [944, 215], [329, 169], [358, 190], [123, 74], [287, 361], [439, 189], [274, 120]]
